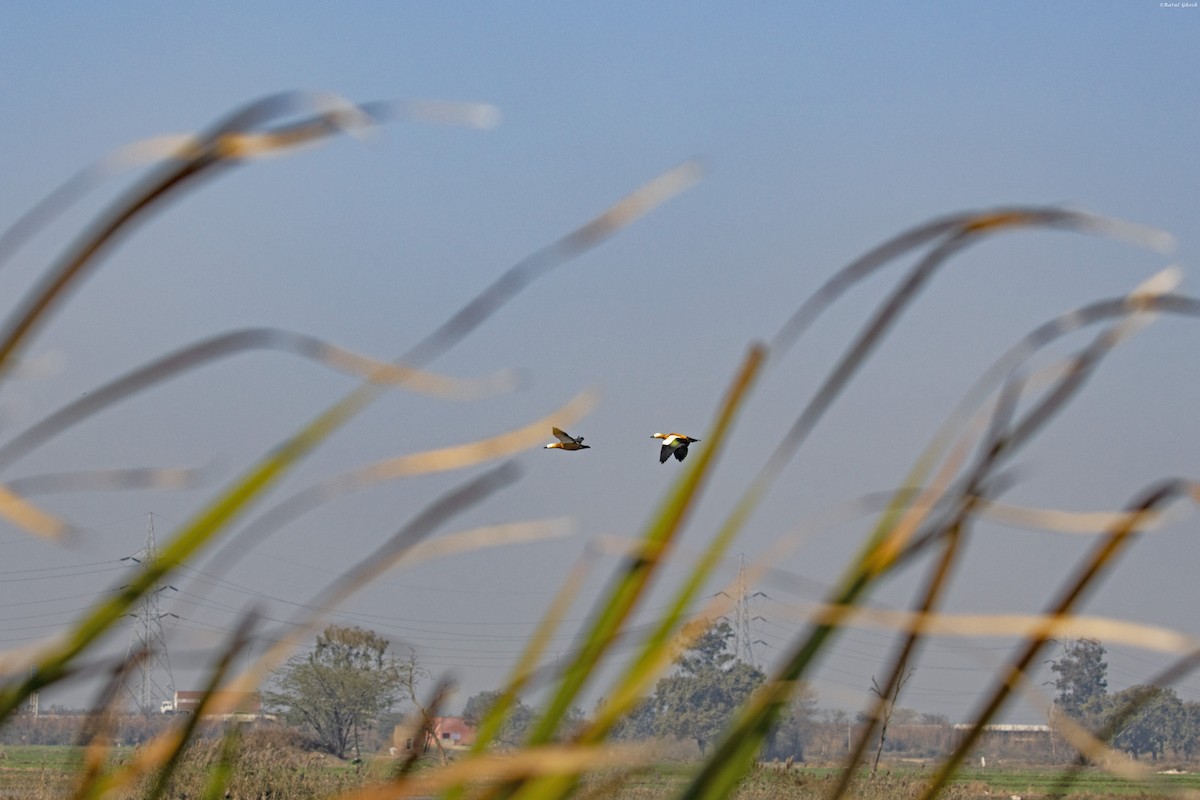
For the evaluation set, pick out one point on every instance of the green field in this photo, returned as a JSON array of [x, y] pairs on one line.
[[44, 772], [37, 771], [1089, 783], [802, 783]]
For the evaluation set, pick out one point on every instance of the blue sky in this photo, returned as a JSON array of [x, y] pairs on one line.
[[825, 129]]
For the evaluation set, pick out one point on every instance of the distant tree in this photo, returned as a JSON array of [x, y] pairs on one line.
[[797, 724], [637, 724], [884, 711], [478, 705], [1082, 678], [341, 688], [516, 725], [905, 716], [832, 733], [1155, 724], [1189, 734], [709, 685]]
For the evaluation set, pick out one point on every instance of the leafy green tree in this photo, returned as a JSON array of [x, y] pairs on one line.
[[1155, 724], [520, 716], [1082, 678], [478, 705], [341, 688], [709, 685]]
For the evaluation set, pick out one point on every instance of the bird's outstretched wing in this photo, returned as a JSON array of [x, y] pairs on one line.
[[681, 452], [562, 436], [664, 453]]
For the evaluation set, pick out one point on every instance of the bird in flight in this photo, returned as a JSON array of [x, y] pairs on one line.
[[566, 441], [675, 444]]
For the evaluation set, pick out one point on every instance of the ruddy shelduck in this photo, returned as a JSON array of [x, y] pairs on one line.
[[673, 444], [566, 441]]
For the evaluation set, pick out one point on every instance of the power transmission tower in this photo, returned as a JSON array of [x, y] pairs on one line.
[[743, 640], [150, 680]]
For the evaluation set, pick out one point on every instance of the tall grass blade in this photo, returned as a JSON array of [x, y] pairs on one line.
[[430, 461], [44, 211], [1073, 591], [736, 752], [1074, 626], [399, 546], [953, 535], [103, 480], [623, 213], [222, 772], [223, 345], [28, 517], [904, 656], [526, 665], [628, 586], [656, 652], [218, 148], [977, 222], [634, 577], [481, 116], [519, 765], [163, 755]]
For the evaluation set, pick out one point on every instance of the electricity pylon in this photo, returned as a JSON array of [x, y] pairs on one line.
[[743, 641], [149, 680]]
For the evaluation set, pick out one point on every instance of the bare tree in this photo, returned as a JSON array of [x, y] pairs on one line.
[[887, 707]]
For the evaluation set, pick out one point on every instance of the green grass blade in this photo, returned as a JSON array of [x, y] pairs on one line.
[[630, 584], [212, 520], [185, 544], [655, 653], [192, 356], [635, 576], [1101, 557], [204, 159]]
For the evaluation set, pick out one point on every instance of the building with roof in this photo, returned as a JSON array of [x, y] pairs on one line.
[[243, 706]]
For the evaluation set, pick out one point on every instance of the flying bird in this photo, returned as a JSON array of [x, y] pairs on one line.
[[566, 441], [673, 444]]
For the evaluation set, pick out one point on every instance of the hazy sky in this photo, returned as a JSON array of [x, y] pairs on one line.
[[825, 129]]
